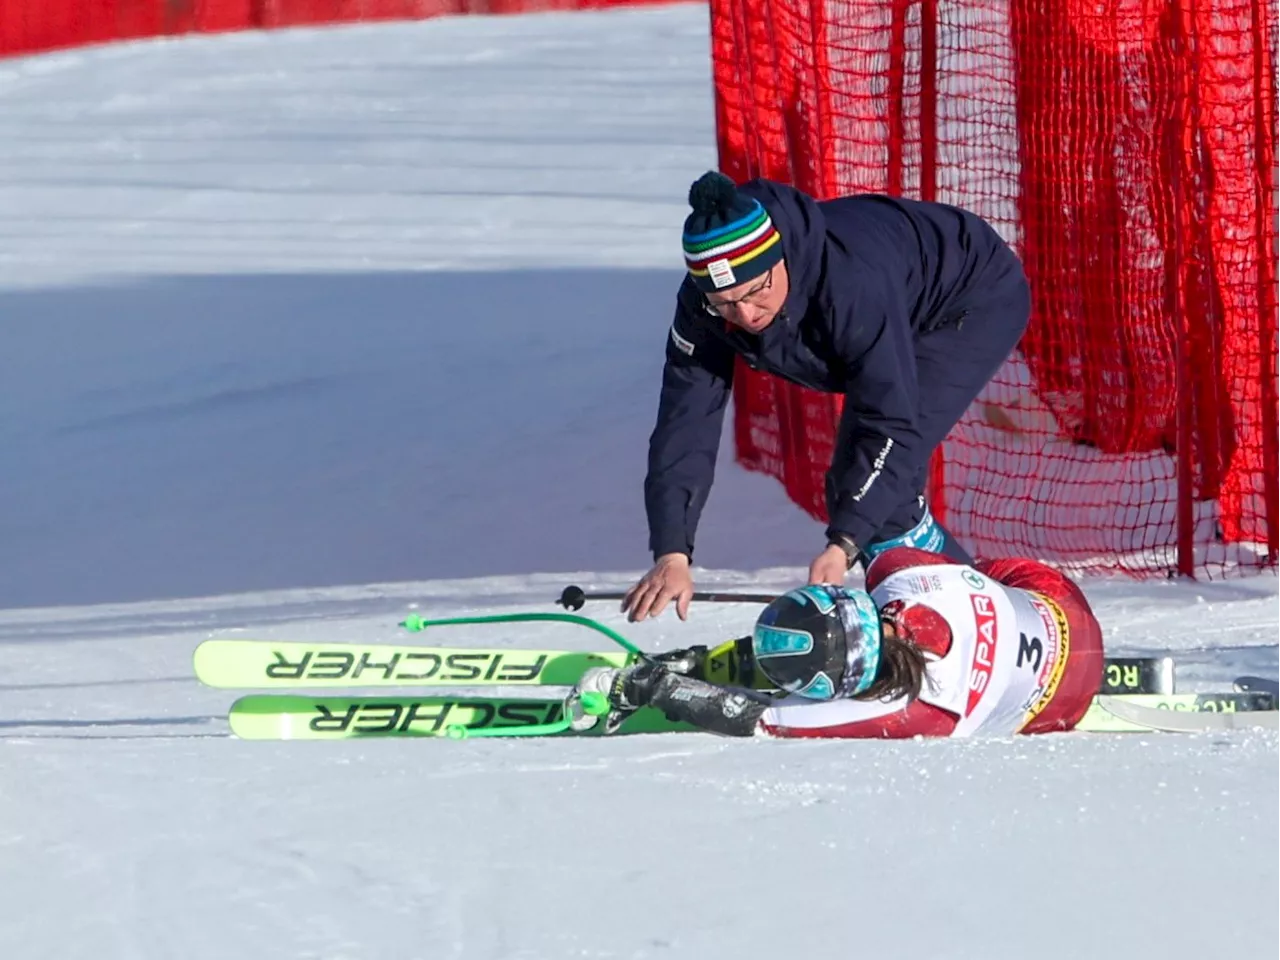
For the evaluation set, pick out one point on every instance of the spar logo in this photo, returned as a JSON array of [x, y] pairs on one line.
[[984, 653]]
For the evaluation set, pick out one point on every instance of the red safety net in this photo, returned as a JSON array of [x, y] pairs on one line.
[[1126, 149], [30, 26]]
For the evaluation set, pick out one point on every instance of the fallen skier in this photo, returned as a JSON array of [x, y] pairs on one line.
[[931, 648]]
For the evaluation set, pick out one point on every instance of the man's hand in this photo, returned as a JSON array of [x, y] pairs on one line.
[[668, 580], [829, 566]]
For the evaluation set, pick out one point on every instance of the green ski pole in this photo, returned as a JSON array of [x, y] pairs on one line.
[[416, 623]]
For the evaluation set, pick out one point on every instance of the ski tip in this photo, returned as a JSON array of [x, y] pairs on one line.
[[1257, 685]]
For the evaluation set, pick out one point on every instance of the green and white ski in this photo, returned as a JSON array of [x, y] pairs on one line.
[[253, 664], [1181, 712], [241, 663], [246, 664], [284, 717]]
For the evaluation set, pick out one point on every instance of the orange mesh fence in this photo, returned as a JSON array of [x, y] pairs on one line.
[[1127, 150]]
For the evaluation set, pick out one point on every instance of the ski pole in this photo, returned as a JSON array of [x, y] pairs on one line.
[[415, 623], [574, 597]]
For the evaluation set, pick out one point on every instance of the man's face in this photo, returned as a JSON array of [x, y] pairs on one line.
[[752, 305]]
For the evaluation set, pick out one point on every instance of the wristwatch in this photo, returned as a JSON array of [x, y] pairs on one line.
[[846, 544]]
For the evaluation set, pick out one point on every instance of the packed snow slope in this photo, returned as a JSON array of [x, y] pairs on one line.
[[305, 331], [348, 306]]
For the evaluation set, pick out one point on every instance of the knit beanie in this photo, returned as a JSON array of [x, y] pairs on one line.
[[728, 238]]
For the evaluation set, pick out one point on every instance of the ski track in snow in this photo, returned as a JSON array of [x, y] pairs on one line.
[[246, 280]]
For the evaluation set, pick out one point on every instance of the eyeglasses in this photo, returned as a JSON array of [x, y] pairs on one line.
[[721, 308]]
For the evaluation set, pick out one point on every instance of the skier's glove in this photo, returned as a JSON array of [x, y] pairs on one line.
[[627, 690], [689, 661]]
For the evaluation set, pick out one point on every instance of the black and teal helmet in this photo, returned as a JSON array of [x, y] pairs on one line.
[[820, 642]]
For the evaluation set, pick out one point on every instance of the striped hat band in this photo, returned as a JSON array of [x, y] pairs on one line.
[[724, 255]]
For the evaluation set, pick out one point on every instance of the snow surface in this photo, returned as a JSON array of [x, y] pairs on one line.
[[304, 331]]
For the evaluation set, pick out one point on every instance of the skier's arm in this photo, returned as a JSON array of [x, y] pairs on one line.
[[728, 711], [737, 712], [696, 382], [795, 717]]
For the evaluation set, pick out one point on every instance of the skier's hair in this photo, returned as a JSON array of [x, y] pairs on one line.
[[901, 672]]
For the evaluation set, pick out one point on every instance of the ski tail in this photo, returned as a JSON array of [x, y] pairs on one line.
[[1178, 713], [1206, 713]]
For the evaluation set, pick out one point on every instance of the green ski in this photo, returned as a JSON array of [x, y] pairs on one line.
[[254, 664], [250, 664], [283, 717], [246, 664], [1140, 713]]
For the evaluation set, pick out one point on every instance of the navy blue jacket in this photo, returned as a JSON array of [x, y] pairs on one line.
[[868, 273]]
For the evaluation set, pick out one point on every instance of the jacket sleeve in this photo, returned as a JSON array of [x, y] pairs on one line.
[[795, 717], [880, 454], [735, 712], [696, 382]]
